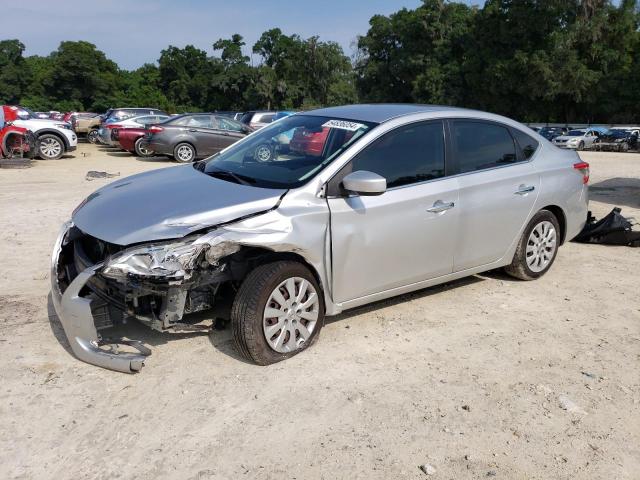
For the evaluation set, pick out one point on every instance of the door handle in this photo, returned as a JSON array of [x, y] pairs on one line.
[[192, 130], [524, 189], [441, 206]]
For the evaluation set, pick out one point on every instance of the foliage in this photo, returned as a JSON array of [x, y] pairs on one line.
[[535, 60]]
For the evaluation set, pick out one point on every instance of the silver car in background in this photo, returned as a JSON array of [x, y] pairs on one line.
[[375, 201], [579, 139]]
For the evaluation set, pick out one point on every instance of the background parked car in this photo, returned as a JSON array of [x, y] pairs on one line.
[[552, 132], [190, 136], [14, 141], [133, 141], [258, 119], [617, 139], [105, 133], [577, 139], [85, 123], [124, 113], [53, 138]]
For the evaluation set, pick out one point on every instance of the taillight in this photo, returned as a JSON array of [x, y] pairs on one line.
[[584, 169], [113, 125], [155, 129]]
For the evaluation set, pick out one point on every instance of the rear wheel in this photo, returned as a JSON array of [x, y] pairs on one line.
[[277, 313], [141, 151], [92, 136], [537, 248], [184, 153], [50, 147]]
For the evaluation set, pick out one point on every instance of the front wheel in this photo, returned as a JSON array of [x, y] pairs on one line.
[[50, 147], [537, 248], [140, 149], [277, 313], [581, 146], [184, 153]]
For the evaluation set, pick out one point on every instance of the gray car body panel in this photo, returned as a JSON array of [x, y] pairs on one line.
[[362, 249], [167, 203]]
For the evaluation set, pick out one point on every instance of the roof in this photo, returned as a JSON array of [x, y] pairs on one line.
[[379, 112]]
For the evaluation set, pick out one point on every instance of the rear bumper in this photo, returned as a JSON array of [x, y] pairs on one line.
[[76, 318]]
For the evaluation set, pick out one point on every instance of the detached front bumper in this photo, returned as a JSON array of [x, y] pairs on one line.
[[76, 318]]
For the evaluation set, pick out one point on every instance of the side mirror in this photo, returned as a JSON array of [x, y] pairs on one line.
[[365, 183]]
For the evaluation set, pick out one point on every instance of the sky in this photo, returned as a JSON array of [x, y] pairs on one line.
[[133, 32]]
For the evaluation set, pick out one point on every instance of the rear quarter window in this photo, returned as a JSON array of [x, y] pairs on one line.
[[482, 145], [528, 145]]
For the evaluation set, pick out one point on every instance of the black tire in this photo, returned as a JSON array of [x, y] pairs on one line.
[[179, 153], [519, 267], [92, 136], [50, 147], [140, 151], [581, 146], [16, 163], [249, 305]]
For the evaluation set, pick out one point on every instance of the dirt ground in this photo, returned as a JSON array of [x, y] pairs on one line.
[[467, 378]]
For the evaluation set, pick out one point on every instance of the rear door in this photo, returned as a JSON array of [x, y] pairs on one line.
[[498, 188], [405, 235]]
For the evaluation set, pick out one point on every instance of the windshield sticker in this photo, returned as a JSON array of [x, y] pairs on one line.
[[344, 125]]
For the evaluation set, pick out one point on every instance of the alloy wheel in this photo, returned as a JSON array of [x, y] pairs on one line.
[[290, 315], [263, 153], [541, 246], [50, 147], [185, 153]]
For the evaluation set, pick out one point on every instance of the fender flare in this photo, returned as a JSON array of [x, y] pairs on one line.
[[52, 131]]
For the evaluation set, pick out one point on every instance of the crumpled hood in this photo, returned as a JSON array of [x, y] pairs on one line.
[[167, 203]]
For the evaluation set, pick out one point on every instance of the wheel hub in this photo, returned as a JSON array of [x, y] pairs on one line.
[[290, 315], [541, 246]]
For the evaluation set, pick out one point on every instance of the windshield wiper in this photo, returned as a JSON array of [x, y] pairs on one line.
[[241, 179]]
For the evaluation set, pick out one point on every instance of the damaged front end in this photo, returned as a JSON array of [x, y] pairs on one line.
[[97, 285]]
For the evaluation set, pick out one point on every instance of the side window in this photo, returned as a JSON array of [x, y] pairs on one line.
[[410, 154], [527, 144], [225, 124], [480, 145], [200, 121]]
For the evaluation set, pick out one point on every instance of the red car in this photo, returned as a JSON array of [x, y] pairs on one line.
[[132, 140], [14, 141], [308, 142]]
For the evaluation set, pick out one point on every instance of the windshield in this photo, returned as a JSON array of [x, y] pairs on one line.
[[26, 113], [287, 153], [617, 133], [575, 133]]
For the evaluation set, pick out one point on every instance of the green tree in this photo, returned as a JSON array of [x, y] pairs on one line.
[[82, 75], [416, 55], [14, 71]]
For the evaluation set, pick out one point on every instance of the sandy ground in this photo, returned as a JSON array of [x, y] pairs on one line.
[[465, 377]]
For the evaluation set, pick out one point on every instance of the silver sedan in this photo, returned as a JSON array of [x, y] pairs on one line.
[[315, 214]]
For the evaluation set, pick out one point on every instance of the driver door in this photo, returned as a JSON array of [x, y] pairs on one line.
[[400, 237]]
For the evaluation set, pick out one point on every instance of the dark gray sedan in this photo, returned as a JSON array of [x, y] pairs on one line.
[[191, 136]]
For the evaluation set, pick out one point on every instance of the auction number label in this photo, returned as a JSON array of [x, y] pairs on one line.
[[343, 125]]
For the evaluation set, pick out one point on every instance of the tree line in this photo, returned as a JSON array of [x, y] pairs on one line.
[[534, 60]]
